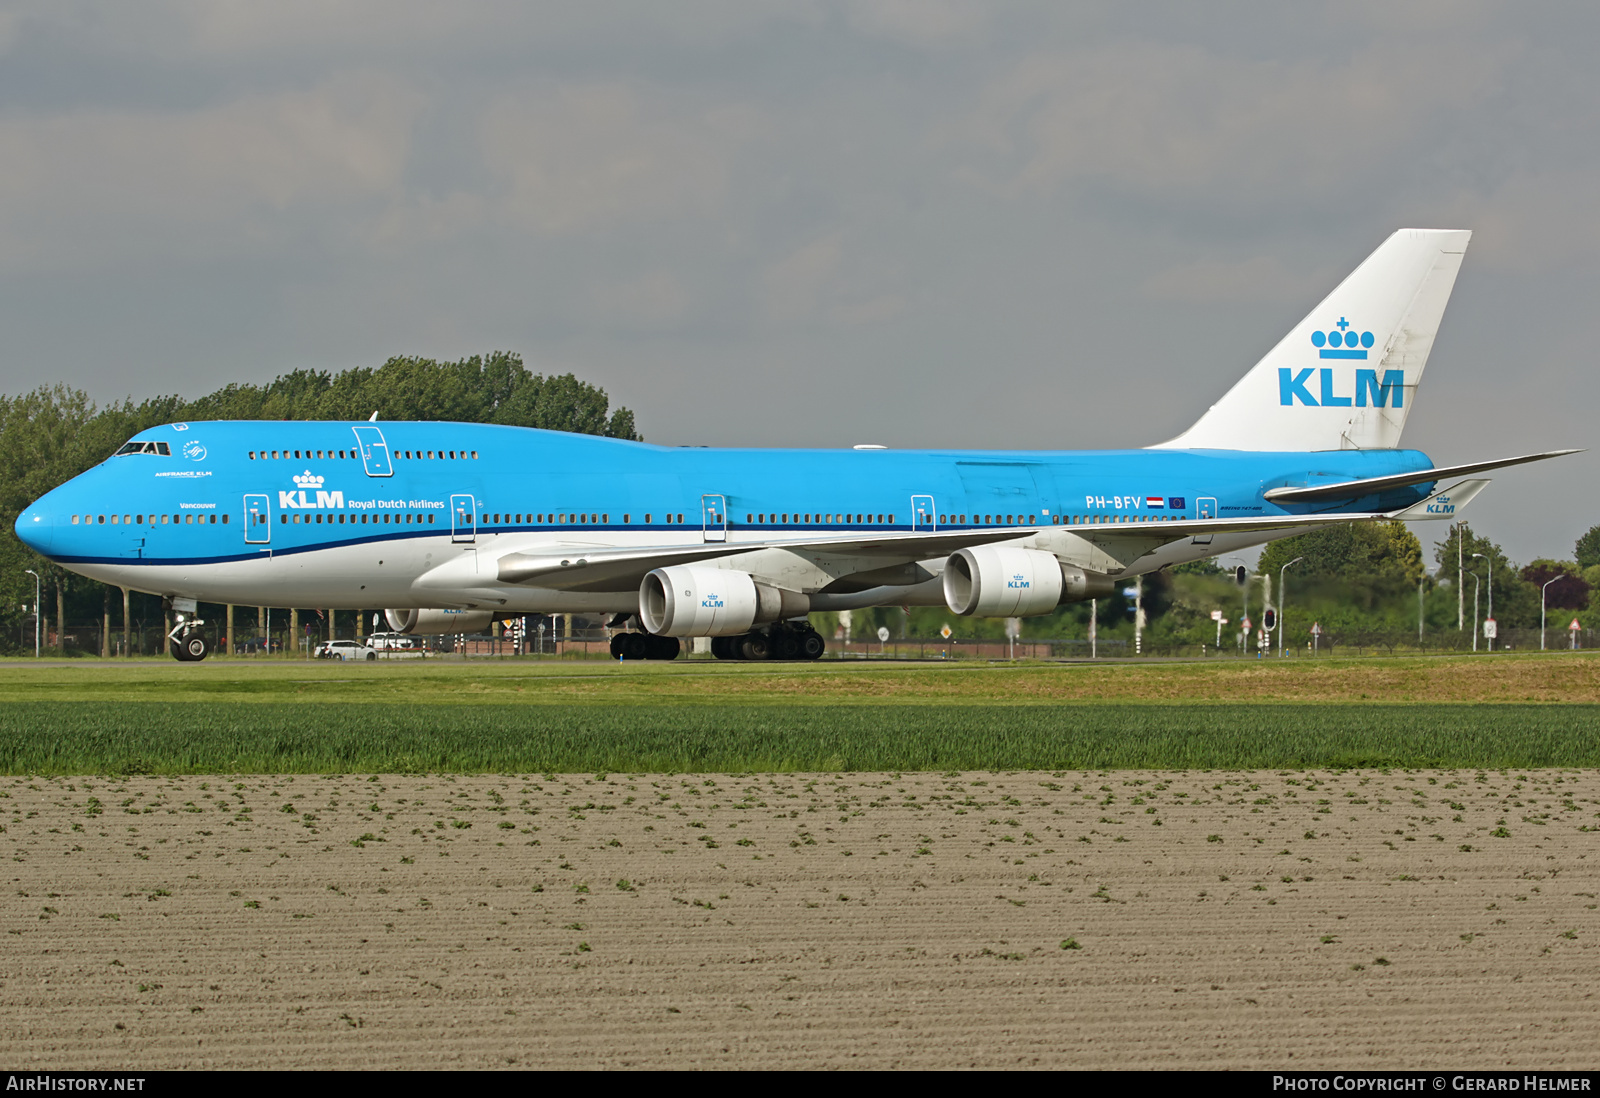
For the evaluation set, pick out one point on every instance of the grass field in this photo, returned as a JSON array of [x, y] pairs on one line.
[[291, 717]]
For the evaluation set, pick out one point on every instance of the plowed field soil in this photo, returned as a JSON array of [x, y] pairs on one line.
[[1355, 919]]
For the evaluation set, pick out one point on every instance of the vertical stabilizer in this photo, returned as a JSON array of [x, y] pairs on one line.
[[1346, 376]]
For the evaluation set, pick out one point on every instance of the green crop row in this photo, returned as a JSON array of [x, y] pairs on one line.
[[139, 737]]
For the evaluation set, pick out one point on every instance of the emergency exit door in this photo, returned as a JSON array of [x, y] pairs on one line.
[[714, 516], [257, 519], [463, 519]]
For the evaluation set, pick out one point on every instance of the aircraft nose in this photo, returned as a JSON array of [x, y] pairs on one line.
[[34, 530]]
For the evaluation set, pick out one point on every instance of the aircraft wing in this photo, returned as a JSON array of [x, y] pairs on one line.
[[1354, 489], [601, 569], [597, 568]]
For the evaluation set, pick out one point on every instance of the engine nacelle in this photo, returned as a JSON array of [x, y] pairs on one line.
[[435, 623], [686, 600], [1002, 581]]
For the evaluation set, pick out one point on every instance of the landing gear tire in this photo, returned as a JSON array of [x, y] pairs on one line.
[[191, 648], [641, 646], [754, 646], [812, 645], [659, 648]]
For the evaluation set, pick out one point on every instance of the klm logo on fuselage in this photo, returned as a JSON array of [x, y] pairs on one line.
[[1339, 342], [300, 501]]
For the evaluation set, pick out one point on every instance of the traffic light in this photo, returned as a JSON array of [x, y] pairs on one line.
[[1240, 575], [1269, 620]]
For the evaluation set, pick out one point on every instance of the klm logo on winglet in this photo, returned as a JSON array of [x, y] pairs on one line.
[[300, 502], [1340, 342], [1441, 505]]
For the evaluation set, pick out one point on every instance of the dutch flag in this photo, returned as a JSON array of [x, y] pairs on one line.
[[1154, 501]]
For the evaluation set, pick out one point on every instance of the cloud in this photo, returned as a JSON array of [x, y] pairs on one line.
[[97, 185], [591, 156], [1162, 118], [795, 283], [920, 23], [1257, 279]]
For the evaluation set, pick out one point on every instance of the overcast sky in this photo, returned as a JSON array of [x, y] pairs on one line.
[[912, 222]]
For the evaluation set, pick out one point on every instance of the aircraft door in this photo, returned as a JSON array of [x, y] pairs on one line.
[[714, 514], [257, 518], [463, 519], [374, 451], [922, 515], [1206, 508]]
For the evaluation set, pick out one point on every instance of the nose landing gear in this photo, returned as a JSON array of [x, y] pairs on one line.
[[189, 644]]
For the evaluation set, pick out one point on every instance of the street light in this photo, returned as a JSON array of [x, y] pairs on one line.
[[1282, 602], [35, 576], [1547, 583], [1488, 567], [1477, 585]]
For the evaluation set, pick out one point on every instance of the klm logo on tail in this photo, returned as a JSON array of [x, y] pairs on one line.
[[1340, 342]]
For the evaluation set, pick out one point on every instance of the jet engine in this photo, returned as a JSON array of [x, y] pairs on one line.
[[1003, 581], [434, 623], [685, 600]]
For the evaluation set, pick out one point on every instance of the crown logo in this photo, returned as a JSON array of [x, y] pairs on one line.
[[1340, 342], [308, 479]]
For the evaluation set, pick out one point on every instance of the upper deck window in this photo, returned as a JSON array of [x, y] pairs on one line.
[[160, 448]]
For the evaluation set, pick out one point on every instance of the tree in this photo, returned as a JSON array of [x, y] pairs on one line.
[[1516, 602], [1587, 550], [1569, 591], [1359, 552]]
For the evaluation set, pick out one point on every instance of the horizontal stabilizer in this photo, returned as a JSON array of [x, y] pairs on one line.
[[1355, 489]]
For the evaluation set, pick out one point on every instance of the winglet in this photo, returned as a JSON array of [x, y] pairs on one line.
[[1445, 504]]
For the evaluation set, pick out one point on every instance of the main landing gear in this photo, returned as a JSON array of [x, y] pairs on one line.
[[782, 641], [644, 646]]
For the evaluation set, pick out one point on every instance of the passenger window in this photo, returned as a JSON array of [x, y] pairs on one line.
[[627, 518], [224, 520], [605, 518], [680, 518], [647, 516], [430, 520], [474, 455], [74, 520]]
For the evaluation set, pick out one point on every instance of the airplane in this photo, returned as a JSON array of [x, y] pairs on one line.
[[450, 526]]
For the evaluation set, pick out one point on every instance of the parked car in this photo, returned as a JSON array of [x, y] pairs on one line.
[[398, 645], [344, 650]]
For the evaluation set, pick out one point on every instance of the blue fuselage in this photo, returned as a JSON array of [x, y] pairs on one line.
[[233, 491]]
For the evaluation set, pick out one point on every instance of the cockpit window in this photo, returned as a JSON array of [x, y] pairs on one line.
[[162, 448]]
